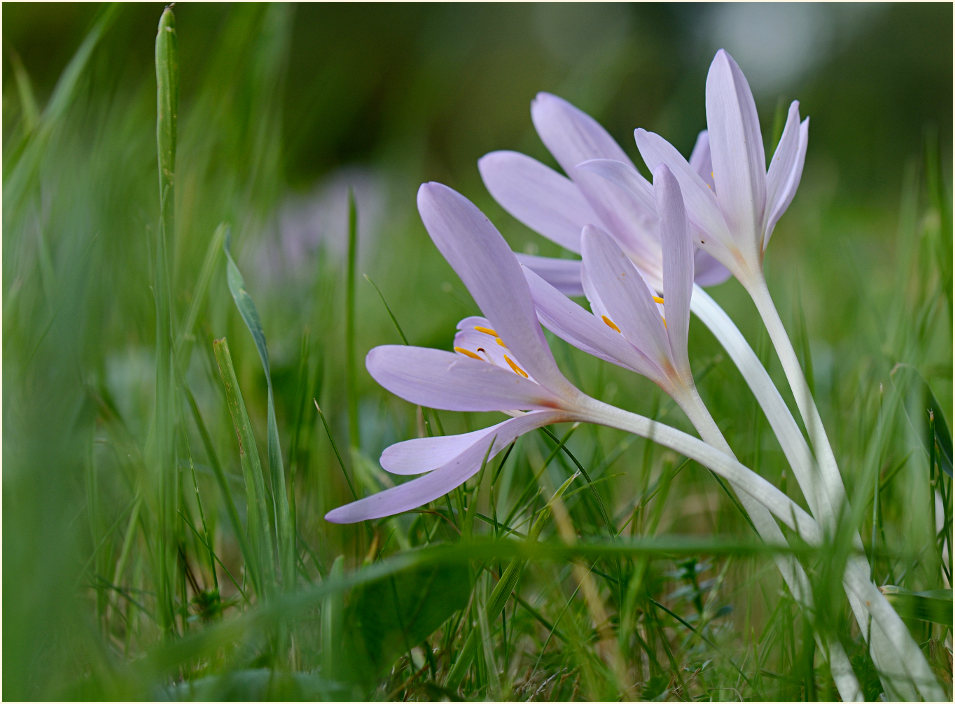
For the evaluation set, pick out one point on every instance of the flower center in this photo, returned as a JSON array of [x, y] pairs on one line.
[[478, 346]]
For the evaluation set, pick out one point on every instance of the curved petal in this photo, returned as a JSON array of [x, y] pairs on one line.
[[626, 298], [624, 201], [736, 146], [538, 196], [490, 271], [677, 266], [440, 481], [453, 382], [421, 455], [573, 324], [570, 134], [562, 274], [700, 160], [700, 200], [789, 182], [709, 272]]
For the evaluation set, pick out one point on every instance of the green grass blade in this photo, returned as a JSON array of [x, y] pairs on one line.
[[354, 439], [163, 451], [261, 550], [285, 533]]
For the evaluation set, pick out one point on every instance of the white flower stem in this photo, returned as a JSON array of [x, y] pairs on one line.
[[785, 509], [895, 653], [792, 572], [781, 421], [832, 480]]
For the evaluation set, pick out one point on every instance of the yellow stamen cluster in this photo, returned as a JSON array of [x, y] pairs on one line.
[[497, 338]]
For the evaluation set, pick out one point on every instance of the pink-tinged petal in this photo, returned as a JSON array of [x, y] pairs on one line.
[[624, 201], [491, 273], [625, 297], [570, 134], [562, 274], [453, 382], [736, 147], [700, 160], [700, 200], [678, 262], [789, 182], [709, 272], [538, 196], [421, 455], [440, 481], [582, 329]]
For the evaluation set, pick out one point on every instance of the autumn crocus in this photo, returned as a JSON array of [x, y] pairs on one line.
[[559, 206], [738, 208], [500, 362]]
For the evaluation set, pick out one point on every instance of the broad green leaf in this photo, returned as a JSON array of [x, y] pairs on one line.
[[934, 605]]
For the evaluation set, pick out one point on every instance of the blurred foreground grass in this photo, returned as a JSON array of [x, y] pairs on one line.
[[143, 552]]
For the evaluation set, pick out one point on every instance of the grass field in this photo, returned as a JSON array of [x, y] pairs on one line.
[[169, 454]]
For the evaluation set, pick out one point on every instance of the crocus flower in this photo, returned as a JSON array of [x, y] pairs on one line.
[[738, 207], [629, 325], [501, 362], [559, 207]]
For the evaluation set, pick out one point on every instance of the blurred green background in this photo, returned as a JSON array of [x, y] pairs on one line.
[[283, 109]]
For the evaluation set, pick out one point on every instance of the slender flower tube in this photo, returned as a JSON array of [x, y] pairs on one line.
[[558, 207]]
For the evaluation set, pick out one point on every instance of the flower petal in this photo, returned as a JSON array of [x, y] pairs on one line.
[[626, 298], [736, 146], [573, 324], [624, 201], [709, 272], [700, 159], [538, 196], [677, 266], [453, 382], [785, 171], [440, 481], [562, 274], [421, 455], [490, 271], [700, 200], [572, 135]]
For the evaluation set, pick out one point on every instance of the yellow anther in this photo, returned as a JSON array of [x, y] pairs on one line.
[[610, 323], [657, 299], [486, 331], [500, 342], [517, 369], [467, 353]]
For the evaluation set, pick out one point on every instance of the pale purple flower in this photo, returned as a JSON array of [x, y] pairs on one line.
[[738, 207], [501, 362], [559, 207], [629, 325]]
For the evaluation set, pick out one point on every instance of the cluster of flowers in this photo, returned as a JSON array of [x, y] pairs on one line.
[[646, 251]]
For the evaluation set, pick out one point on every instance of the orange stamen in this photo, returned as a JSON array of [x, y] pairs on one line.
[[657, 299], [467, 353], [486, 331], [612, 325], [517, 369]]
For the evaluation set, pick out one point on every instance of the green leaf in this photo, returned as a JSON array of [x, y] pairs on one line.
[[394, 614], [285, 534], [934, 605]]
